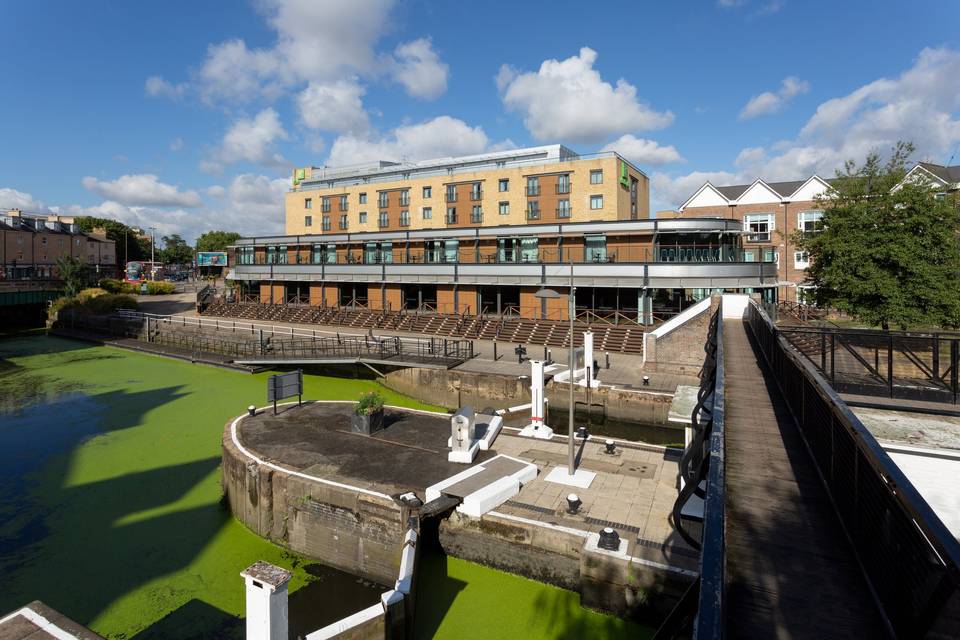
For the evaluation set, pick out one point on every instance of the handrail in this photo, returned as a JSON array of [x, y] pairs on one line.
[[908, 556], [702, 469]]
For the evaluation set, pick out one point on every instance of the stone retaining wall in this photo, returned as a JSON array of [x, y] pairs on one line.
[[344, 527]]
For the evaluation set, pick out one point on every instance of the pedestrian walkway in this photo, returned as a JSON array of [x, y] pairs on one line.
[[790, 572]]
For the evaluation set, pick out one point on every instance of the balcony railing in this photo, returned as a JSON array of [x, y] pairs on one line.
[[476, 218], [325, 225], [533, 190], [344, 206], [563, 187], [533, 214], [476, 194], [383, 222], [451, 196], [759, 237], [404, 221], [325, 208], [451, 218], [690, 254], [383, 203], [564, 212]]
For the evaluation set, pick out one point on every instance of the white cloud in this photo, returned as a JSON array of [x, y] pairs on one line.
[[142, 190], [13, 199], [334, 106], [176, 144], [252, 140], [918, 105], [251, 205], [440, 137], [315, 41], [158, 87], [568, 100], [643, 151], [729, 4], [769, 102], [418, 68]]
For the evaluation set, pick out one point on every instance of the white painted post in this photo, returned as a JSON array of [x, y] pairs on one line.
[[587, 356], [536, 394], [267, 616]]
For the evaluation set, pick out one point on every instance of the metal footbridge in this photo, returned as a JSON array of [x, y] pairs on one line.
[[808, 529]]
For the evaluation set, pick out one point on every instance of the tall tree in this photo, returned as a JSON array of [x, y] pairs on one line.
[[74, 273], [130, 246], [888, 252], [216, 240], [176, 250]]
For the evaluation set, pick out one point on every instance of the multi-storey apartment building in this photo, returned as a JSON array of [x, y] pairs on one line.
[[482, 234], [31, 244], [769, 214], [539, 184]]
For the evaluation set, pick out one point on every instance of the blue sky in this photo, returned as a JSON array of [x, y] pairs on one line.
[[189, 116]]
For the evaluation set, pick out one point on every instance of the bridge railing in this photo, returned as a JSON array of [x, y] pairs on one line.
[[894, 364], [702, 468], [908, 556]]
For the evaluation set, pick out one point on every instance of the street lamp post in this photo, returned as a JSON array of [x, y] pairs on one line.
[[153, 268]]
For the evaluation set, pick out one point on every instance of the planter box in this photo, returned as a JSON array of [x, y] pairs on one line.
[[367, 424]]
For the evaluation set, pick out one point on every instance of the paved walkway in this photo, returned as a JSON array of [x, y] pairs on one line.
[[790, 572]]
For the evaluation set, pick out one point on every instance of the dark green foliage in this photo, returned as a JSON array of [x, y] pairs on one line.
[[74, 273], [176, 250], [889, 257], [216, 240], [124, 236], [369, 403]]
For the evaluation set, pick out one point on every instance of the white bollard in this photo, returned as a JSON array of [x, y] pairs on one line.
[[537, 427], [267, 615]]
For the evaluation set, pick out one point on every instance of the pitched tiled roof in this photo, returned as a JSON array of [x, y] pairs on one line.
[[947, 174], [784, 189]]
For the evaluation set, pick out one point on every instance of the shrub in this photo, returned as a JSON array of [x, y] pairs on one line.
[[160, 288], [96, 304], [116, 286], [88, 294], [369, 403]]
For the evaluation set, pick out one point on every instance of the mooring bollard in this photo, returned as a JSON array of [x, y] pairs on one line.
[[608, 359], [573, 503]]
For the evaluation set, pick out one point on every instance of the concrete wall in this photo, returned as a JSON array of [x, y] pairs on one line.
[[680, 350], [453, 389], [345, 528], [616, 583]]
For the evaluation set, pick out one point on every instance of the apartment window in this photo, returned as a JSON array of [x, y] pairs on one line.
[[504, 185], [383, 200], [596, 248], [476, 191], [325, 224], [451, 215], [810, 221], [533, 210], [801, 259], [563, 183], [308, 221], [476, 215], [363, 217], [404, 218], [596, 202], [363, 198], [308, 203], [533, 186], [245, 255], [325, 204], [451, 193], [405, 198], [427, 213], [384, 219], [277, 254], [758, 226], [504, 208], [344, 223], [427, 193], [596, 176], [343, 203], [563, 209]]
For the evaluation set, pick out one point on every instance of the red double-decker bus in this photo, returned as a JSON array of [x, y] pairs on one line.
[[139, 271]]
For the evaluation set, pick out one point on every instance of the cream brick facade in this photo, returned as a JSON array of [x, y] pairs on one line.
[[616, 198]]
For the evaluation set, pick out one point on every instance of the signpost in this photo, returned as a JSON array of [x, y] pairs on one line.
[[285, 385]]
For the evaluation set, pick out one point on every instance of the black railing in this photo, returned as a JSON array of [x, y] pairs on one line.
[[910, 559], [893, 364], [702, 470], [385, 348]]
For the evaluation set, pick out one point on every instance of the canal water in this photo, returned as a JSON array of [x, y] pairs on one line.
[[111, 509]]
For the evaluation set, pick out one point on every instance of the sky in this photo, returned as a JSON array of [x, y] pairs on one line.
[[189, 116]]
